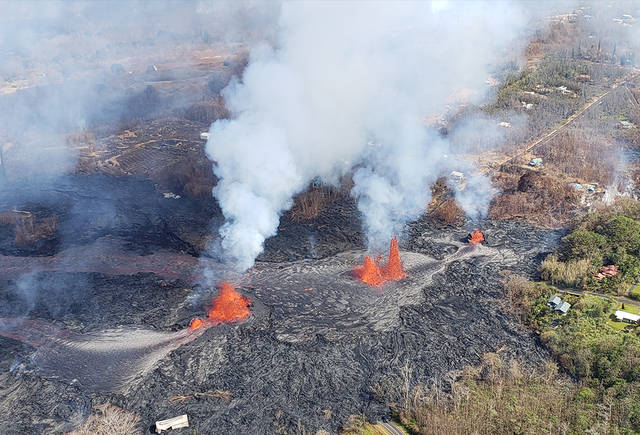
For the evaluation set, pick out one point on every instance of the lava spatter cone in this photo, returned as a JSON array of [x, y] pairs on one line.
[[376, 275], [228, 306]]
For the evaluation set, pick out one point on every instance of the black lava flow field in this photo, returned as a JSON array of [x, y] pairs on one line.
[[318, 347]]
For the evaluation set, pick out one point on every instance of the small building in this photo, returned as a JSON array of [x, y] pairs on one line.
[[535, 162], [554, 301], [623, 316], [606, 271], [316, 183], [172, 423], [563, 307], [204, 135], [456, 176]]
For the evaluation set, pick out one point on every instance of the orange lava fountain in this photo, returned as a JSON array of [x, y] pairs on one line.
[[393, 271], [476, 237], [370, 272], [229, 306], [376, 275]]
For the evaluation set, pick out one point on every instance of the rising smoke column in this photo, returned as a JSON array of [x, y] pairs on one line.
[[351, 84]]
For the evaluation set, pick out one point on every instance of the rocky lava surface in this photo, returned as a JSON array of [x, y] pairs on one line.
[[318, 346]]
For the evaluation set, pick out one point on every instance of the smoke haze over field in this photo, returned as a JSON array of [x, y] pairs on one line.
[[350, 86], [73, 65]]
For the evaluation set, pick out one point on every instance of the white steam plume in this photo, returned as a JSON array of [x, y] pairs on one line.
[[351, 84]]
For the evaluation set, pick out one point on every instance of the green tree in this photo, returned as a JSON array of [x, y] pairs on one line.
[[622, 232], [629, 266], [584, 244]]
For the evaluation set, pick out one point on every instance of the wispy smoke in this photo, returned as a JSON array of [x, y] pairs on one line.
[[351, 85], [393, 187], [72, 74], [71, 66]]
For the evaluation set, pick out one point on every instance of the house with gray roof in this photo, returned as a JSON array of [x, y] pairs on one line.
[[563, 307], [554, 301]]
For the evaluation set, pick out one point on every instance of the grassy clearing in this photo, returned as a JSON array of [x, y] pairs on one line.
[[619, 326], [615, 325], [358, 425], [372, 429]]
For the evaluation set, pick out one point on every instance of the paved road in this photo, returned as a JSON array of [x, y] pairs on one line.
[[389, 428], [561, 127], [621, 299]]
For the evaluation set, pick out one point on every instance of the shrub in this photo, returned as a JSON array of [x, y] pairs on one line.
[[190, 177], [307, 205], [109, 420], [207, 111], [586, 395], [494, 397], [572, 273], [27, 228], [449, 213], [544, 201], [522, 294]]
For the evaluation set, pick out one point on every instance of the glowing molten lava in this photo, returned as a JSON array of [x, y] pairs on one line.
[[393, 271], [376, 275], [229, 306], [196, 323], [370, 272], [476, 237]]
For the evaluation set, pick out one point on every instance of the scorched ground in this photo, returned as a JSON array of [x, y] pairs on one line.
[[318, 345]]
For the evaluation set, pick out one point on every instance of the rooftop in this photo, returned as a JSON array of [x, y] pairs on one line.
[[623, 315]]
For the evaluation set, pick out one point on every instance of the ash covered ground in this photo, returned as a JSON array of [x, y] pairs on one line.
[[318, 347]]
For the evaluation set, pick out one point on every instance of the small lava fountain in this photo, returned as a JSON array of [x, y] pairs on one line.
[[374, 274], [228, 306], [106, 360], [476, 238], [109, 360]]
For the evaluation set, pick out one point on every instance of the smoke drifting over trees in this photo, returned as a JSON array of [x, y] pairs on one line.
[[349, 87]]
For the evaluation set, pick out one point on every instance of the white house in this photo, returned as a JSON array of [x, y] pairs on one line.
[[623, 316]]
